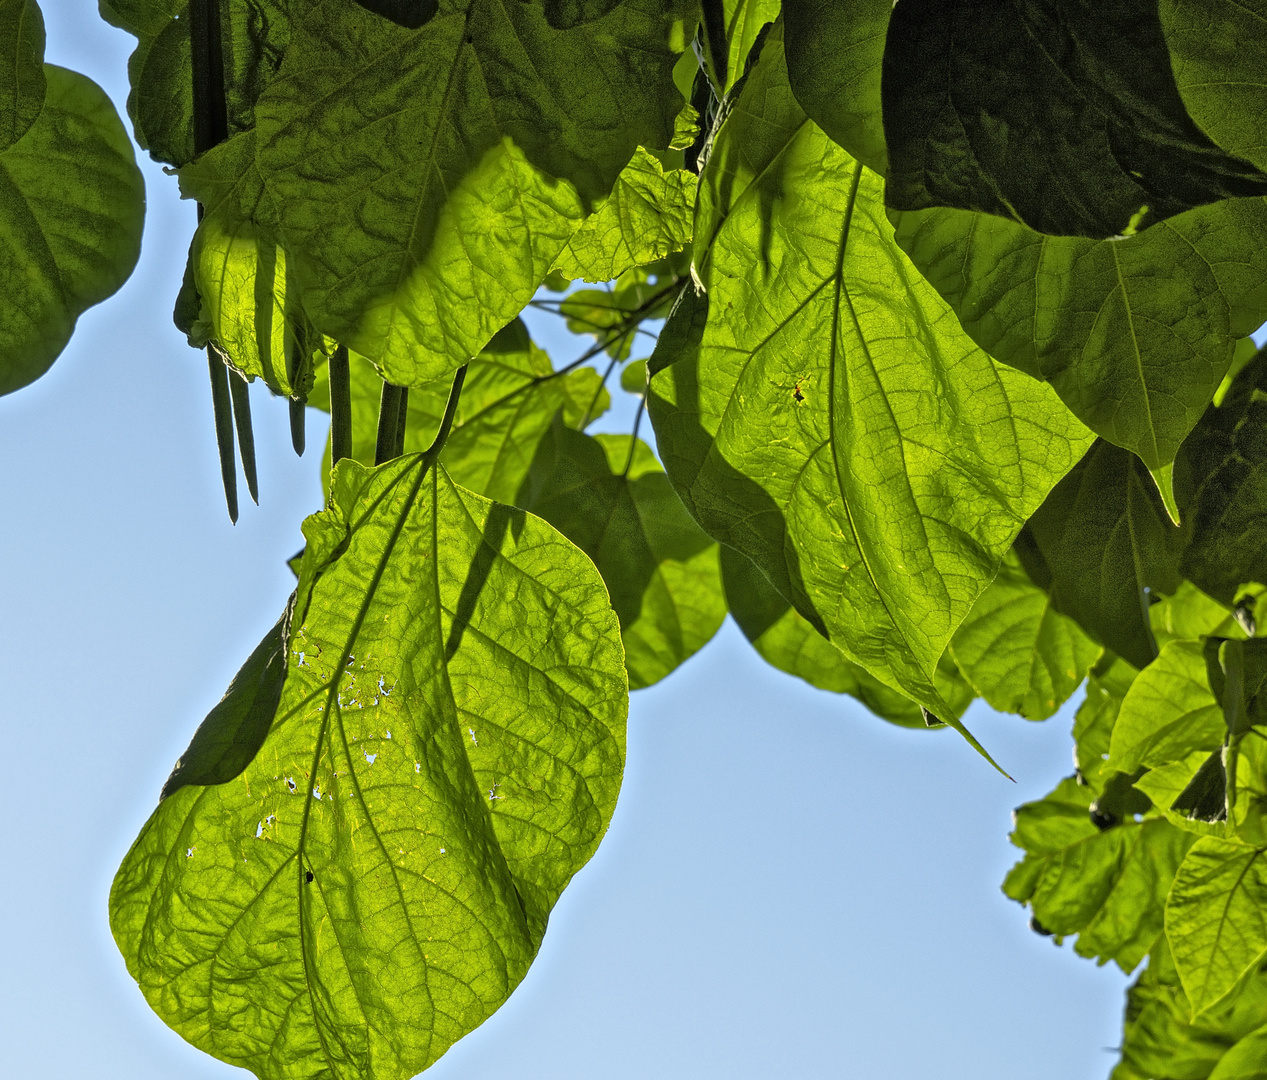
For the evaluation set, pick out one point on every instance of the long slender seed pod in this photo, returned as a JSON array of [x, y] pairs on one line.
[[211, 116], [388, 422], [223, 410], [340, 405], [402, 419], [298, 436], [240, 394]]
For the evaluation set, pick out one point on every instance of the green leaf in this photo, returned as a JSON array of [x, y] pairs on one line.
[[1078, 129], [427, 180], [647, 216], [1219, 54], [1221, 484], [445, 756], [1018, 652], [745, 20], [510, 396], [1135, 335], [1096, 717], [1247, 1060], [227, 741], [1161, 1039], [1168, 712], [72, 203], [786, 640], [1101, 538], [1106, 885], [835, 52], [1216, 918], [1189, 613], [22, 74], [254, 35], [820, 411], [614, 502]]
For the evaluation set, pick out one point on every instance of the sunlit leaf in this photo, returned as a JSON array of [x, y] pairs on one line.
[[819, 409], [1019, 653], [426, 180], [445, 756], [787, 641], [647, 216], [72, 202], [1216, 917], [1168, 712], [1106, 885], [614, 502]]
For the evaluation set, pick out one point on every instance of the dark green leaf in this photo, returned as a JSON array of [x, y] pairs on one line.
[[227, 741], [1093, 724], [1077, 130], [1017, 651], [835, 49], [1216, 918], [22, 73], [1102, 537], [426, 180], [819, 409], [1135, 335], [410, 14], [254, 37], [1106, 885], [614, 502], [788, 642], [1219, 56], [445, 756], [1221, 485], [72, 202]]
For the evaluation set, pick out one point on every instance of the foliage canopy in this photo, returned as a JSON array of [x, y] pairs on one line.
[[954, 398]]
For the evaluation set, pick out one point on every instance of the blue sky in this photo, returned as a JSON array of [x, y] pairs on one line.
[[790, 888]]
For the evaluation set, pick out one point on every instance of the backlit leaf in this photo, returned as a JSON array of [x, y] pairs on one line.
[[1019, 653], [72, 202], [615, 503], [787, 641], [445, 756], [819, 409], [1216, 917], [427, 180], [1097, 716], [1106, 885], [646, 217]]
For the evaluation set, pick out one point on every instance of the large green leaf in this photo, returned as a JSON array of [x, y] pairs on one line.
[[1135, 335], [1168, 712], [1102, 538], [510, 396], [426, 180], [744, 21], [1221, 485], [819, 409], [1216, 917], [1019, 653], [445, 756], [835, 52], [1162, 1039], [22, 73], [254, 35], [1078, 129], [1246, 1060], [647, 216], [1218, 52], [614, 502], [786, 640], [1106, 885], [72, 203]]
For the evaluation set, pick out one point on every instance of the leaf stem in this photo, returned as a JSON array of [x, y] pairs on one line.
[[340, 406], [633, 439], [446, 421]]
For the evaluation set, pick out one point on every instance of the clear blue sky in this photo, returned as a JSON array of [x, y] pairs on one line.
[[790, 888]]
